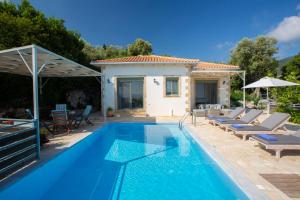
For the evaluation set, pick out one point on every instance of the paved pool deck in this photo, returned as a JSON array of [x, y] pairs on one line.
[[248, 158], [244, 156]]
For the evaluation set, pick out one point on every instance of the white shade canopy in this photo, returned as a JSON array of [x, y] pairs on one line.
[[19, 61], [36, 62], [268, 82]]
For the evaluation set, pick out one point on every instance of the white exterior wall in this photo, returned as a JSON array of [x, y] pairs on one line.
[[156, 104]]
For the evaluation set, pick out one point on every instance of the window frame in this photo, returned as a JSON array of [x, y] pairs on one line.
[[178, 86]]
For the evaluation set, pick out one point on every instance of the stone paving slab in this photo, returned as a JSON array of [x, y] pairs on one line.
[[248, 157]]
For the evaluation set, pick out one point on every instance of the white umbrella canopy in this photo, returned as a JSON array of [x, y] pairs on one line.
[[268, 82]]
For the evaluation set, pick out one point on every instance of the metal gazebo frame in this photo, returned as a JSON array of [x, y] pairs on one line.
[[35, 61]]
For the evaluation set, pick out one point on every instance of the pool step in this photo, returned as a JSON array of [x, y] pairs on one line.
[[131, 112]]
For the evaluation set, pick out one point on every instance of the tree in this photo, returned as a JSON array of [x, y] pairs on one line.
[[140, 47], [290, 95], [24, 25], [104, 52], [256, 57]]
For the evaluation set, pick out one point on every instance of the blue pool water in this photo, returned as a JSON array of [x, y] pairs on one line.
[[128, 161]]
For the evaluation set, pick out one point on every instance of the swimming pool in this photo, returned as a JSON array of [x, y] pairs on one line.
[[129, 161]]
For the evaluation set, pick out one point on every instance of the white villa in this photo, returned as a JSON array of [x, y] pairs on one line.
[[163, 86]]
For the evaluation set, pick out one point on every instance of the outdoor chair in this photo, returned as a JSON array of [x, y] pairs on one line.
[[84, 116], [248, 118], [61, 107], [60, 121], [278, 142], [272, 123]]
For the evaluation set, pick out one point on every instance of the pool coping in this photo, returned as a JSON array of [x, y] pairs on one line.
[[248, 187]]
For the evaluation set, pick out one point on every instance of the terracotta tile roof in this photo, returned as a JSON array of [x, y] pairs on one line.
[[147, 59], [210, 65]]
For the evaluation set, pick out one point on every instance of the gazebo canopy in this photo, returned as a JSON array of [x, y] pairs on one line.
[[36, 62], [19, 61]]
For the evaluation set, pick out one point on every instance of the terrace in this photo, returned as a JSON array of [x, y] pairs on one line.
[[244, 162], [277, 178]]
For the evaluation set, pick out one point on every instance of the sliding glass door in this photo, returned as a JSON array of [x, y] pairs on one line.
[[206, 92], [130, 93]]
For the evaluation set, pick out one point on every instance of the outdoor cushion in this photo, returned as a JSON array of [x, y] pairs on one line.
[[232, 121], [251, 115], [246, 119], [276, 117], [267, 137], [236, 112], [249, 128], [238, 126], [221, 120], [281, 140]]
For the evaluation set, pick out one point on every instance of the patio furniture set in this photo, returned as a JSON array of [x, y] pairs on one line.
[[64, 119]]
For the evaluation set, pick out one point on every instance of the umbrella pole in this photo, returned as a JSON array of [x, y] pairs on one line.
[[268, 104]]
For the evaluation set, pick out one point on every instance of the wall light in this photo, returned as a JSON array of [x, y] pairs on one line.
[[155, 81]]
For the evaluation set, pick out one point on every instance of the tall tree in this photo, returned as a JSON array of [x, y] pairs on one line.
[[140, 47], [290, 95], [256, 57], [24, 25]]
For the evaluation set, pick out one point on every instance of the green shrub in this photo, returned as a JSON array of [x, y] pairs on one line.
[[237, 97], [295, 114]]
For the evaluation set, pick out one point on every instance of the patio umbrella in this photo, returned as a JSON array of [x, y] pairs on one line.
[[268, 82]]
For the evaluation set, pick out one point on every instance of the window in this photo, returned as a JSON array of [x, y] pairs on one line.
[[172, 86]]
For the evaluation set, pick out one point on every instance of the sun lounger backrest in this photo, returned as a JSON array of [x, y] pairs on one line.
[[275, 120], [236, 112], [251, 115], [297, 134]]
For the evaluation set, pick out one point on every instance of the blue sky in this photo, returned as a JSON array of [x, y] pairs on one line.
[[185, 28]]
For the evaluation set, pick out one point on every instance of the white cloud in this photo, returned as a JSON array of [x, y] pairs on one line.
[[287, 30], [298, 7], [223, 45]]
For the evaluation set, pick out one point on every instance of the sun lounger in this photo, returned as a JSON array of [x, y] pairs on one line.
[[233, 115], [278, 142], [273, 122], [248, 118]]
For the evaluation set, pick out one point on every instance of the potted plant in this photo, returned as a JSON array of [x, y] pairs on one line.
[[109, 112]]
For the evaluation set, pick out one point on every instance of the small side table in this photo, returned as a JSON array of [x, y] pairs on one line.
[[198, 113]]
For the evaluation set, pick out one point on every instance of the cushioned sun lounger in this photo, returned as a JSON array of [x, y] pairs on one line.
[[232, 115], [278, 142], [273, 122], [250, 117]]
